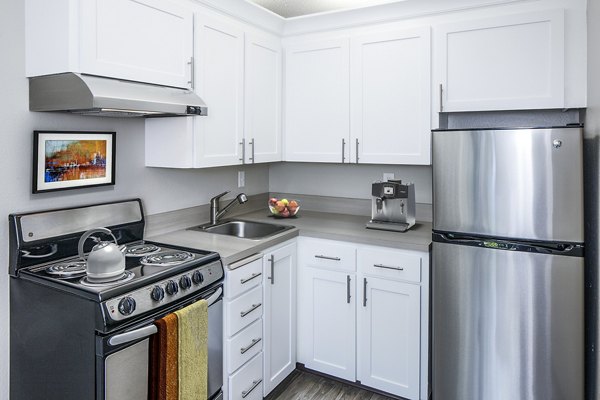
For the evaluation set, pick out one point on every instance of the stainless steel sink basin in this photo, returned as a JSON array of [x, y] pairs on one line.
[[244, 229]]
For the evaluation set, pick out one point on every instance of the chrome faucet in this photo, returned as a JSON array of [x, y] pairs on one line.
[[216, 213]]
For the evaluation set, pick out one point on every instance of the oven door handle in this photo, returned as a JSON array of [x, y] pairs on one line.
[[214, 297], [133, 335]]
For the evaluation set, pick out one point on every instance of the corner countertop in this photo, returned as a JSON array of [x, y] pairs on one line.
[[350, 228]]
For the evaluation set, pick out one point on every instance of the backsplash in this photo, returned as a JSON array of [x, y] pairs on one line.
[[345, 180]]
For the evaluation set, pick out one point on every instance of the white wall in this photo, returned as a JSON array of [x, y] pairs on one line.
[[160, 189], [347, 180], [592, 201]]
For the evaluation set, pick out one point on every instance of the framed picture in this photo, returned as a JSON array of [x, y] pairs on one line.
[[65, 160]]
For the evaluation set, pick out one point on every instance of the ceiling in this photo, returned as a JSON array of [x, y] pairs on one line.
[[297, 8]]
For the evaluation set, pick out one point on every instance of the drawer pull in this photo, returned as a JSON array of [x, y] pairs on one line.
[[246, 280], [254, 307], [255, 384], [388, 267], [328, 258], [251, 345]]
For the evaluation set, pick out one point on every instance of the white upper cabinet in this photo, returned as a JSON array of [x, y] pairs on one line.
[[317, 101], [238, 75], [501, 63], [142, 40], [219, 80], [263, 99], [390, 97]]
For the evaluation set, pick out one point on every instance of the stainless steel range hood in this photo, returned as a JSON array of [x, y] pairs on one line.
[[98, 96]]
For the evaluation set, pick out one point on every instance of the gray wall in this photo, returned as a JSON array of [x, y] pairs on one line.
[[161, 189], [348, 180], [592, 198]]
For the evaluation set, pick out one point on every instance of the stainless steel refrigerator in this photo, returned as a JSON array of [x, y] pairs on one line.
[[508, 271]]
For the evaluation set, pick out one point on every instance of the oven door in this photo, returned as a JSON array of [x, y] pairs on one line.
[[123, 357]]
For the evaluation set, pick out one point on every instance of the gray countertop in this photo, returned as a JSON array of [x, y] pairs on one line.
[[350, 228]]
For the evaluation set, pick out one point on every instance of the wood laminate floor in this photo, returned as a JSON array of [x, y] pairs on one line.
[[302, 385]]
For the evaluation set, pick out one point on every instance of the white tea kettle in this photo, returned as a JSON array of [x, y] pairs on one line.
[[106, 260]]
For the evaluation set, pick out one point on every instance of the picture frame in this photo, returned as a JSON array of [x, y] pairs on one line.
[[65, 160]]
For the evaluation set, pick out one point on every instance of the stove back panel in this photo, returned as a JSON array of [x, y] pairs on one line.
[[45, 236]]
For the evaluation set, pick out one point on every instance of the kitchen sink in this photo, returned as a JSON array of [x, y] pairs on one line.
[[244, 229]]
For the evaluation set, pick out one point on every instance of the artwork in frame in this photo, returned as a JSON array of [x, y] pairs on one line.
[[65, 160]]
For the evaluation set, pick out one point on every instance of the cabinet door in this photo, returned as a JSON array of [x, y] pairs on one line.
[[388, 336], [219, 68], [138, 40], [263, 99], [327, 322], [317, 102], [280, 315], [391, 91], [503, 63]]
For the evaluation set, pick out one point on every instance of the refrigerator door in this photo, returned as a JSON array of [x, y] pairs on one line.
[[511, 183], [506, 325]]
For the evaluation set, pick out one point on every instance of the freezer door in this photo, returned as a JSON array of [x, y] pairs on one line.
[[512, 183], [506, 325]]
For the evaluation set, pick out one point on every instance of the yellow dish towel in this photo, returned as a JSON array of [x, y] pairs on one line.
[[193, 351]]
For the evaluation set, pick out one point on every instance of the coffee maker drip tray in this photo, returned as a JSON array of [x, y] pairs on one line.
[[389, 226]]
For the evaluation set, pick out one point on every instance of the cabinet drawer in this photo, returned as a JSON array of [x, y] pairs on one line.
[[245, 309], [246, 384], [397, 264], [327, 254], [245, 345], [243, 278]]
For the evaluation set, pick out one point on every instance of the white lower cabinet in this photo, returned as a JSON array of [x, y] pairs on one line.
[[389, 336], [260, 322], [280, 314], [326, 321], [243, 339], [365, 319], [246, 383]]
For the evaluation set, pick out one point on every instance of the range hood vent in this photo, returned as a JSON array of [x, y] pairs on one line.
[[98, 96]]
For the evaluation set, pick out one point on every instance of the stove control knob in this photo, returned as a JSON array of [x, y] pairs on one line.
[[157, 293], [197, 277], [185, 282], [172, 288], [127, 305]]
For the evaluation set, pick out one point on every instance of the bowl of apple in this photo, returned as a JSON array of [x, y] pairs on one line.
[[283, 208]]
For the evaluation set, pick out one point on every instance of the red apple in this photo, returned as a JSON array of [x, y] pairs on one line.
[[272, 201], [285, 212]]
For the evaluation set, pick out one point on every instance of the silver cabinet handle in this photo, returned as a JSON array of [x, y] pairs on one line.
[[254, 307], [272, 277], [251, 345], [252, 144], [245, 393], [348, 296], [365, 292], [343, 150], [133, 335], [328, 258], [246, 280], [357, 150], [191, 81], [388, 267], [243, 143], [441, 98]]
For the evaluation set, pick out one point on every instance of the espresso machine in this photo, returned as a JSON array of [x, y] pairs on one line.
[[393, 206]]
